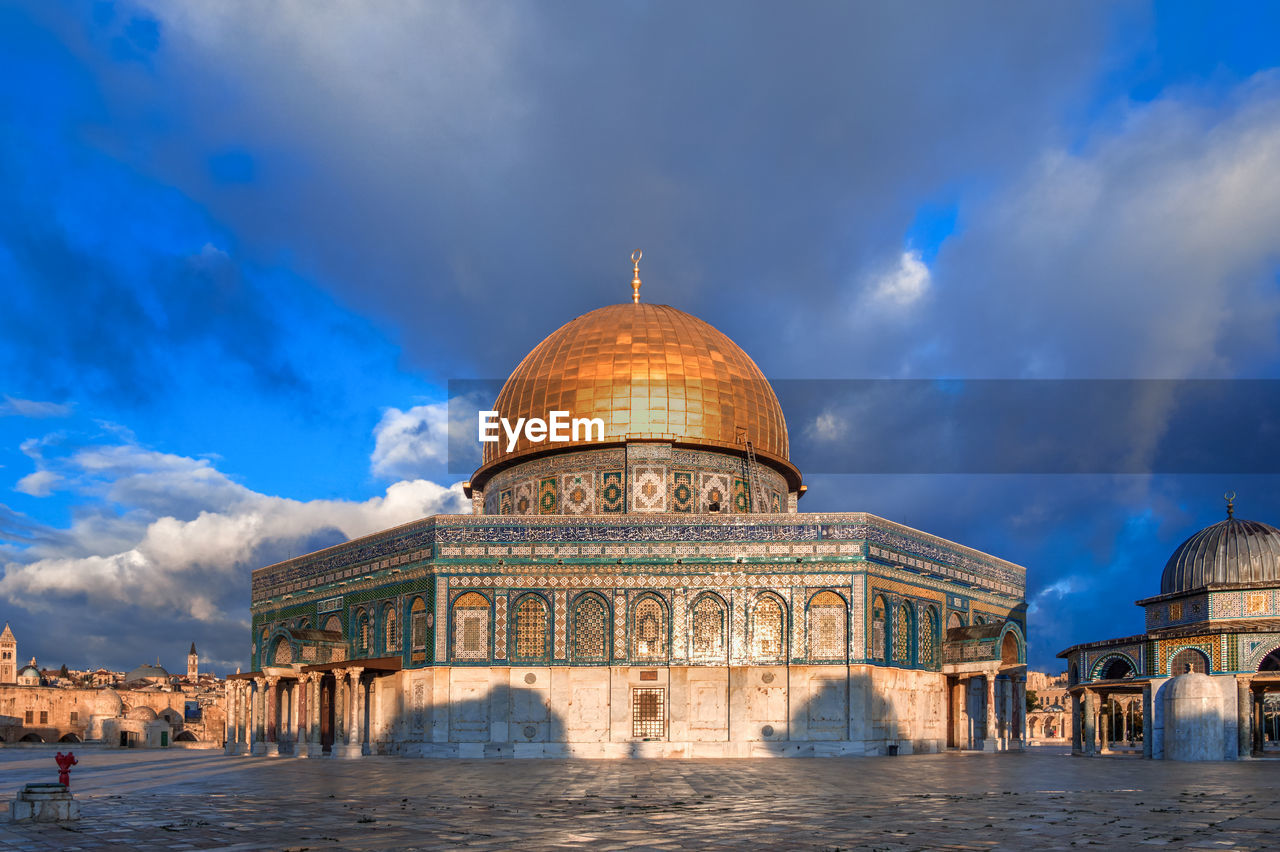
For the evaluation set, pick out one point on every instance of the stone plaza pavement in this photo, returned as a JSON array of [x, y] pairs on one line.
[[1042, 800]]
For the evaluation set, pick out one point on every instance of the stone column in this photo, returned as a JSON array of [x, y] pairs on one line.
[[1077, 741], [272, 714], [990, 741], [300, 714], [1244, 719], [229, 726], [259, 715], [1090, 719], [1259, 722], [315, 746], [1104, 724], [1020, 712], [361, 738], [1148, 722]]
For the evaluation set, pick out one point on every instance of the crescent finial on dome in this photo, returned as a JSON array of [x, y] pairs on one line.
[[635, 281]]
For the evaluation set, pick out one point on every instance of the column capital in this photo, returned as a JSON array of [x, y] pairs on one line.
[[260, 682], [272, 680], [355, 671]]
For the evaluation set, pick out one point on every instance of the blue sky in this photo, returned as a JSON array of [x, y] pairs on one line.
[[245, 246]]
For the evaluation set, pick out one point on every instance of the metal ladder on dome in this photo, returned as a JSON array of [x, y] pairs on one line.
[[755, 489]]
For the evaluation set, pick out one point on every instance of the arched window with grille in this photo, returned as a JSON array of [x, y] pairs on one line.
[[362, 633], [530, 630], [928, 645], [1189, 660], [709, 629], [902, 630], [418, 630], [471, 628], [878, 610], [390, 629], [649, 629], [828, 627], [768, 628], [590, 628], [954, 620]]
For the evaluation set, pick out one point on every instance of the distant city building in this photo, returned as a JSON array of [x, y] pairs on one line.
[[1203, 681], [651, 591], [8, 657], [144, 708], [1050, 720]]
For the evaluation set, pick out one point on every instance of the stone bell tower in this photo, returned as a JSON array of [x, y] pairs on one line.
[[193, 663], [8, 656]]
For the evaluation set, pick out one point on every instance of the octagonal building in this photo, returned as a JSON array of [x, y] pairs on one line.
[[649, 589]]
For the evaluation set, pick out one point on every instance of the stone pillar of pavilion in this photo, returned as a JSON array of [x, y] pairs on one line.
[[1259, 722], [246, 715], [1077, 742], [1019, 738], [315, 747], [299, 718], [353, 741], [258, 703], [1090, 720], [339, 710], [990, 741], [1244, 719], [272, 700], [362, 733], [1148, 723], [229, 727], [1104, 724]]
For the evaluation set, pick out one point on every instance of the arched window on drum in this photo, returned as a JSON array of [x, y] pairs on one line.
[[768, 626], [928, 643], [362, 633], [649, 630], [590, 629], [709, 640], [531, 628], [390, 629], [418, 630], [879, 610], [903, 628], [471, 628], [828, 627]]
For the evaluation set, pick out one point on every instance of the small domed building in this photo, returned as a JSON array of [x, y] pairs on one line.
[[1203, 681], [645, 587]]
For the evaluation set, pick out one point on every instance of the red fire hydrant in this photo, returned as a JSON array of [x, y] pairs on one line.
[[65, 762]]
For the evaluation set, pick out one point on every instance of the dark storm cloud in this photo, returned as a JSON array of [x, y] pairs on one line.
[[446, 157]]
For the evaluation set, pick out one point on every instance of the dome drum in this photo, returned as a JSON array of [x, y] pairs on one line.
[[642, 478]]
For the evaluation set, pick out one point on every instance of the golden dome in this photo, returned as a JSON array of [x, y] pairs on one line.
[[649, 372]]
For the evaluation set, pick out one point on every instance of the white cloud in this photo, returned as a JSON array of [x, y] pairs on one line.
[[38, 484], [407, 442], [149, 562], [1147, 251], [828, 426], [13, 406], [903, 286]]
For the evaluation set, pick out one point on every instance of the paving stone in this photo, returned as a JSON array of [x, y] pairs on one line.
[[1042, 799]]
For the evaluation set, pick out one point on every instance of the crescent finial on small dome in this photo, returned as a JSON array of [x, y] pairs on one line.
[[635, 281]]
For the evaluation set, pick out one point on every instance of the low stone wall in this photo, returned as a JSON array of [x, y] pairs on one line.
[[676, 711]]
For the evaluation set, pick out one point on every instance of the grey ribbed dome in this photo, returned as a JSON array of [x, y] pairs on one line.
[[1230, 551]]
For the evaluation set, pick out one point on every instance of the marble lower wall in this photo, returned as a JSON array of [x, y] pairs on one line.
[[679, 711]]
